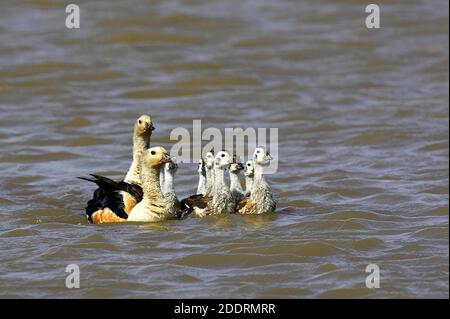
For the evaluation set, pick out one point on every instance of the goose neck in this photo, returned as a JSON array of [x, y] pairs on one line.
[[140, 144], [235, 183], [209, 181], [151, 185], [168, 184], [201, 189], [248, 183]]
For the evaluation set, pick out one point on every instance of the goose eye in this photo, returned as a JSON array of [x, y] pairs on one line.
[[153, 152]]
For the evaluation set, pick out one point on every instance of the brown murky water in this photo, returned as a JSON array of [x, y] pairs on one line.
[[364, 145]]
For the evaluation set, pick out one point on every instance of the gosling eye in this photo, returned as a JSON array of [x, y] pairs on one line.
[[248, 164], [153, 152], [140, 122], [223, 155], [257, 151]]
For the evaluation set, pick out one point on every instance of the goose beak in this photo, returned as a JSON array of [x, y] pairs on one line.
[[268, 157], [149, 128], [165, 159]]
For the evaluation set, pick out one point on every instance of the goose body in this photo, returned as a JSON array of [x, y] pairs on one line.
[[201, 169], [169, 189], [222, 200], [113, 200], [261, 199], [249, 173], [154, 205], [235, 184], [219, 200]]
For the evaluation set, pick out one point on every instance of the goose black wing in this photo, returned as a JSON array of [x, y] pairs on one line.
[[188, 204], [108, 195]]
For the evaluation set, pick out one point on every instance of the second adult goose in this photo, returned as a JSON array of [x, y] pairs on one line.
[[143, 129]]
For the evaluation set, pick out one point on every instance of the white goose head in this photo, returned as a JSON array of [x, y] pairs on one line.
[[171, 167], [249, 168], [223, 160], [201, 167], [261, 156], [209, 159], [236, 167]]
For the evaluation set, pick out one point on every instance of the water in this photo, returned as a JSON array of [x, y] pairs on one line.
[[363, 157]]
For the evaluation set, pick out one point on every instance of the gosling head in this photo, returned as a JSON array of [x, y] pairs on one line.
[[155, 157], [249, 169], [201, 167], [171, 167], [261, 156], [209, 159], [144, 125], [223, 160], [236, 167]]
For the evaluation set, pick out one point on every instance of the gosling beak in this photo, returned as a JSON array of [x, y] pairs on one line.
[[148, 127], [165, 159], [240, 166], [268, 157]]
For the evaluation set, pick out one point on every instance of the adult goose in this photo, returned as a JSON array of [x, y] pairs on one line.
[[261, 199], [154, 205], [220, 200], [114, 200], [143, 129]]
